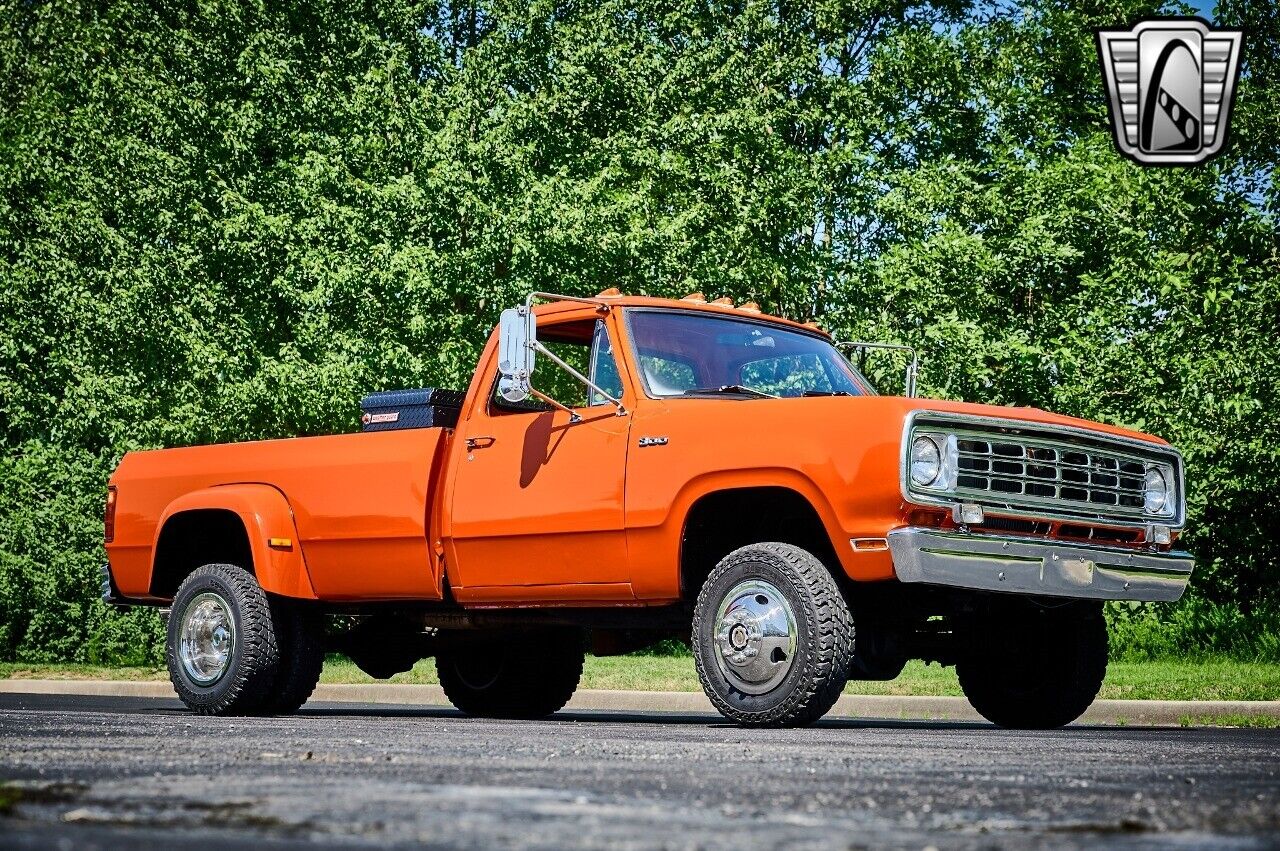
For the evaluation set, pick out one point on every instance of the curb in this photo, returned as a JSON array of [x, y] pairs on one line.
[[1112, 712]]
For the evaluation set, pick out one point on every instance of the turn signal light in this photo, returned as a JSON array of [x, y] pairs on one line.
[[967, 513], [696, 298], [612, 292], [109, 516], [750, 307], [726, 301]]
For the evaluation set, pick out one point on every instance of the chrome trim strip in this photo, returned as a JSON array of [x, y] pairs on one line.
[[1053, 510], [1032, 566]]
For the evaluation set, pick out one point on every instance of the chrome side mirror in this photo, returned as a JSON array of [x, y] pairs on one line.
[[517, 343], [517, 337], [913, 361]]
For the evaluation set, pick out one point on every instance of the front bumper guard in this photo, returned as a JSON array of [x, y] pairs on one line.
[[1025, 566]]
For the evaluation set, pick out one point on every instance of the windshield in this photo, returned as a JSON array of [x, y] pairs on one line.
[[693, 354]]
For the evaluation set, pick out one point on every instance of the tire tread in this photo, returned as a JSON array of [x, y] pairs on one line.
[[537, 680], [1065, 694], [823, 678], [301, 640], [254, 672]]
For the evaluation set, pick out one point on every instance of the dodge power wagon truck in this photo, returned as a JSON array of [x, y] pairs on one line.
[[671, 468]]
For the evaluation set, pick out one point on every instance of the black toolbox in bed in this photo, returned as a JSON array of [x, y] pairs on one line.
[[427, 407]]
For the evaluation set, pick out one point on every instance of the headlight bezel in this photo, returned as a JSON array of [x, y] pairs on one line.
[[1169, 497], [944, 481], [921, 444]]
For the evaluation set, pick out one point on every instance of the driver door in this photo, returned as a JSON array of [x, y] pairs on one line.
[[537, 502]]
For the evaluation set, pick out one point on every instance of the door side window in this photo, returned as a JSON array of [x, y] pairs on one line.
[[586, 347]]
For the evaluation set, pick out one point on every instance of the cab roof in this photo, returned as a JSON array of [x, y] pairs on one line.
[[692, 302]]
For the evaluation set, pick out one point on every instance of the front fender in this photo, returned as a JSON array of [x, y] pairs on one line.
[[266, 515], [655, 548]]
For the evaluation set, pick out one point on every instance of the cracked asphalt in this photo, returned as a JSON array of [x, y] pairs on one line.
[[97, 772]]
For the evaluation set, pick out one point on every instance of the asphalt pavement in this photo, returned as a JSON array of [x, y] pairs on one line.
[[113, 772]]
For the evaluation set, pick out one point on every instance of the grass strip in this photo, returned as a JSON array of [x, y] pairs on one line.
[[1209, 679], [1263, 722]]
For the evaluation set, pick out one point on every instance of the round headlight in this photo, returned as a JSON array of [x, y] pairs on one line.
[[1155, 495], [926, 461]]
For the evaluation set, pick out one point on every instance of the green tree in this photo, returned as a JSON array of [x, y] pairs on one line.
[[226, 221]]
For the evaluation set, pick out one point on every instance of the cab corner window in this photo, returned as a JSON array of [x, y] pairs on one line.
[[604, 367]]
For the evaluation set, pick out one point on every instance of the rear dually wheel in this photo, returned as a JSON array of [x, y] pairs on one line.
[[222, 649], [511, 673]]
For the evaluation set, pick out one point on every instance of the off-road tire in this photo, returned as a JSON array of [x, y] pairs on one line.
[[511, 674], [247, 683], [300, 636], [824, 637], [1038, 671]]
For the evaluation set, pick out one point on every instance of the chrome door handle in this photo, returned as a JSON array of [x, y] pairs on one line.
[[480, 442]]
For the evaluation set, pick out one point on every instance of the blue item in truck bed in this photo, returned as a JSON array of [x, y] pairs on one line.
[[429, 407]]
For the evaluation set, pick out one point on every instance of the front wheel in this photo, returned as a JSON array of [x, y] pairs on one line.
[[772, 637], [1037, 669], [511, 674]]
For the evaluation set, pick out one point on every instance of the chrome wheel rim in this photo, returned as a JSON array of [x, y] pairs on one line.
[[207, 639], [755, 637]]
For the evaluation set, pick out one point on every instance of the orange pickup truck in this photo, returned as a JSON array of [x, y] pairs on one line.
[[671, 468]]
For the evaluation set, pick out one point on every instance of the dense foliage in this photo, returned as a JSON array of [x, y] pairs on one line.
[[229, 220]]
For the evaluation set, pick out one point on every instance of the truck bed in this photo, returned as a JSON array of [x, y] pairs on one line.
[[361, 504]]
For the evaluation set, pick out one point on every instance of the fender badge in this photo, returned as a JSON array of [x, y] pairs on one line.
[[652, 441]]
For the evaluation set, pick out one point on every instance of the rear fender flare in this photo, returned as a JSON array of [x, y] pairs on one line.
[[266, 515]]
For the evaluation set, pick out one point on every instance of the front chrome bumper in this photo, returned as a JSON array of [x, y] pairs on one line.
[[1026, 566]]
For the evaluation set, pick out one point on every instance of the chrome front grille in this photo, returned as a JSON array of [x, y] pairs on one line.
[[1016, 468], [1042, 471]]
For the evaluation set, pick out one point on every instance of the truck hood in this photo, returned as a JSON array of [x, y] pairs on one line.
[[1009, 412]]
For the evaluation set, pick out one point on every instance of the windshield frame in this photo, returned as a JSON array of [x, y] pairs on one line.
[[633, 352]]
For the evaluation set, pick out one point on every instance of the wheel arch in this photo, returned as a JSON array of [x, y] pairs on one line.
[[719, 520], [249, 525]]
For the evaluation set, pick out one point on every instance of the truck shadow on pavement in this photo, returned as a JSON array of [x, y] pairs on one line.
[[690, 719]]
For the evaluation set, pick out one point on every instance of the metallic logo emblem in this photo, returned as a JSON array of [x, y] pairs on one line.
[[1170, 83]]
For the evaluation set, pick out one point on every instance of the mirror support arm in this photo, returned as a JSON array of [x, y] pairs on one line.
[[528, 302], [538, 347], [574, 416], [913, 365]]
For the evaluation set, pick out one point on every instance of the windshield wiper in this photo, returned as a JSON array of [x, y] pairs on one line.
[[728, 390], [826, 393]]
